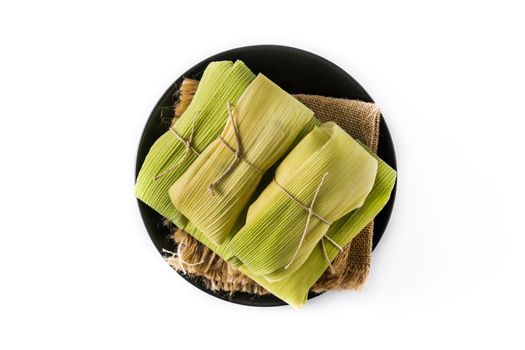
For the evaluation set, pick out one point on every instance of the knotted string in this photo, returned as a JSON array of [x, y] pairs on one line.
[[187, 148], [237, 152], [325, 253], [311, 212], [178, 255]]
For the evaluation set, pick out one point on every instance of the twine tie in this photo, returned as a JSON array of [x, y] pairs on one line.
[[311, 213], [187, 148], [238, 153]]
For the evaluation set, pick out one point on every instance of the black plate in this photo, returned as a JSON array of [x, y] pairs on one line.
[[296, 71]]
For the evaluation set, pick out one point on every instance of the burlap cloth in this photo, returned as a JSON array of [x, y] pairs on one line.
[[351, 266]]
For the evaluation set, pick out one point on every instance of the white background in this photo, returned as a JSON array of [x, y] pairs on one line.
[[77, 83]]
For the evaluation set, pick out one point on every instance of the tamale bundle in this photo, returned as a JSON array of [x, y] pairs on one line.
[[201, 123], [348, 270], [261, 128], [294, 288], [326, 176]]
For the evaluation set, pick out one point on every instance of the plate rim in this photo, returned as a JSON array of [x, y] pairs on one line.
[[385, 140]]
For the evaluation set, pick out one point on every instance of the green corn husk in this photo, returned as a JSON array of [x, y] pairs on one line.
[[269, 121], [271, 243], [222, 82], [294, 288]]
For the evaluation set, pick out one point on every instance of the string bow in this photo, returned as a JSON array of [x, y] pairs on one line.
[[311, 213]]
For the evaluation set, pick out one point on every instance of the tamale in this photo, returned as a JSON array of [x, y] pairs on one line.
[[326, 176], [198, 126], [294, 288], [216, 188]]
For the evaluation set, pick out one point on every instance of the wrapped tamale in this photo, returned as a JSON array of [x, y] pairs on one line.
[[216, 188], [326, 176], [201, 123], [293, 289]]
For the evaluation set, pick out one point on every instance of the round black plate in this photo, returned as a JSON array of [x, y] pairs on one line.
[[296, 71]]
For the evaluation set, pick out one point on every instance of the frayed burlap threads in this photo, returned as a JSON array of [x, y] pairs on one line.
[[351, 267], [218, 274], [186, 92]]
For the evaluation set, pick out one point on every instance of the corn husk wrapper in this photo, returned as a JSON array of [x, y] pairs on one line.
[[222, 82], [278, 237], [294, 288], [268, 121]]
